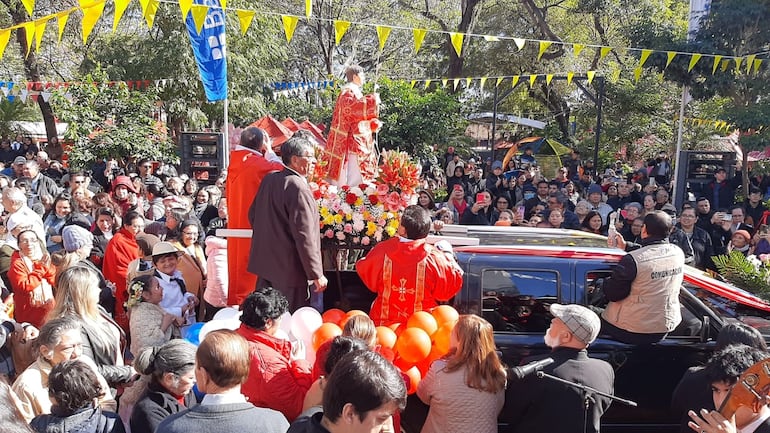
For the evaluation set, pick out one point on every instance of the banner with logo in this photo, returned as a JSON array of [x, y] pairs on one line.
[[209, 42]]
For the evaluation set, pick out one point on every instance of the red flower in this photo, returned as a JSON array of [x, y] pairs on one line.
[[350, 198], [345, 188], [373, 199], [317, 194]]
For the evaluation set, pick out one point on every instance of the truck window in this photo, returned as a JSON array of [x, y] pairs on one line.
[[516, 300]]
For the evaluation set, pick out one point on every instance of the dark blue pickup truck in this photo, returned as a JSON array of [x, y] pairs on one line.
[[512, 287]]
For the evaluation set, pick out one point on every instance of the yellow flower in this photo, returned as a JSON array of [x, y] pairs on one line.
[[348, 217], [359, 201], [371, 228], [328, 220], [338, 219], [390, 230]]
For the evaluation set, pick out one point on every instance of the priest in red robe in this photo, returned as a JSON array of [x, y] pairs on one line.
[[407, 273], [349, 155], [250, 162]]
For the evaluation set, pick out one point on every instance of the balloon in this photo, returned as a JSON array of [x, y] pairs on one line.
[[413, 345], [285, 323], [386, 337], [192, 333], [414, 379], [444, 314], [387, 353], [335, 315], [283, 335], [403, 364], [215, 325], [442, 337], [350, 314], [304, 323], [424, 321], [397, 328], [324, 333], [424, 365], [227, 313]]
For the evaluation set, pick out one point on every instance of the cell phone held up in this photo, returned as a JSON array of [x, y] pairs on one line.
[[480, 198]]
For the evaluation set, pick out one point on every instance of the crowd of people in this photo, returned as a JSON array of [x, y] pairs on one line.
[[103, 271]]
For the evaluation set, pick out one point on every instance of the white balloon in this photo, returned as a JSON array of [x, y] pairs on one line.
[[215, 325], [227, 313], [283, 335], [304, 322], [285, 323]]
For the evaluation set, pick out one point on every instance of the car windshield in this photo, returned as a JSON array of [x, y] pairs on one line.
[[534, 236], [731, 309]]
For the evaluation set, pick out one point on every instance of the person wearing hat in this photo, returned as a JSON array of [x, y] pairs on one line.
[[721, 191], [643, 288], [543, 405], [497, 185], [122, 189], [176, 300], [16, 169], [594, 197], [741, 241]]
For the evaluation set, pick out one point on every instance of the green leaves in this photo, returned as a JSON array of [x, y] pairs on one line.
[[740, 271]]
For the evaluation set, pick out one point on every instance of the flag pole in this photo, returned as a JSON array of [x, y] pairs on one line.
[[226, 135]]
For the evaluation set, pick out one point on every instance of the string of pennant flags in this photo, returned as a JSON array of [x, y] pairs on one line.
[[92, 10]]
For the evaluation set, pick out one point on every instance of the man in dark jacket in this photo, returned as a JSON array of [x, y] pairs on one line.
[[286, 242], [535, 405], [721, 191]]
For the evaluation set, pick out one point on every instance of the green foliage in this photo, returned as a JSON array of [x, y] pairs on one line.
[[110, 121], [738, 270], [15, 111], [413, 120]]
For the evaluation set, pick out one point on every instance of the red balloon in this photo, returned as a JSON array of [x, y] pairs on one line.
[[444, 314], [424, 321], [442, 337], [335, 315], [386, 337], [403, 364], [326, 332], [424, 365], [397, 328], [413, 345]]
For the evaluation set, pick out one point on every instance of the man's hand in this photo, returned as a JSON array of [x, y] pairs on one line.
[[298, 350], [320, 284], [711, 422]]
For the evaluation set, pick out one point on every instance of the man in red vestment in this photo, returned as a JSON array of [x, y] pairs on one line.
[[407, 273], [250, 162], [349, 155]]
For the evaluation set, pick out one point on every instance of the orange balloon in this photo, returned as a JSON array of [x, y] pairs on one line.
[[424, 365], [424, 321], [442, 336], [402, 364], [397, 328], [350, 314], [326, 332], [414, 379], [413, 345], [335, 315], [386, 337], [444, 314]]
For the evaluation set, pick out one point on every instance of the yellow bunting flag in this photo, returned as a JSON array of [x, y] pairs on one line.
[[61, 21], [725, 63], [717, 59], [340, 27], [543, 47], [382, 35], [199, 13], [532, 79], [570, 76], [548, 79], [5, 36], [499, 80], [149, 9], [645, 55], [468, 81], [289, 25], [615, 77], [29, 5], [693, 61], [308, 8], [444, 82], [457, 42], [738, 62], [90, 17], [637, 73], [482, 81], [603, 51], [419, 35], [514, 81], [427, 83], [29, 32], [670, 57], [577, 49], [184, 7], [412, 83], [757, 64], [590, 75], [519, 43], [491, 38], [223, 4], [750, 62], [456, 82], [120, 7], [244, 20], [39, 31]]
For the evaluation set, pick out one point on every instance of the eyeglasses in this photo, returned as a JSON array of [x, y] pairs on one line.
[[190, 233]]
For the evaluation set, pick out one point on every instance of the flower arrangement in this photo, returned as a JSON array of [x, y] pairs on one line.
[[135, 291], [750, 273], [368, 213]]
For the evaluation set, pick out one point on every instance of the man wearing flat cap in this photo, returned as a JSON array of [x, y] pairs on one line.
[[542, 405]]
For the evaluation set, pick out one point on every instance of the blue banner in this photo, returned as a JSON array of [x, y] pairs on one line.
[[209, 48]]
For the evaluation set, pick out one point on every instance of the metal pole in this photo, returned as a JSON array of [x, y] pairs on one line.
[[679, 133], [597, 134], [226, 136], [494, 124]]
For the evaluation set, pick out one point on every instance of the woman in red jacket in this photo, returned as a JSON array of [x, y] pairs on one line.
[[279, 377], [122, 250], [32, 278]]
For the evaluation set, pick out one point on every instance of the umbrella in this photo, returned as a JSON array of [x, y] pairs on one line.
[[277, 132], [539, 145]]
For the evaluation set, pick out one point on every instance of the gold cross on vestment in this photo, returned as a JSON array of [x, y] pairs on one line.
[[402, 290]]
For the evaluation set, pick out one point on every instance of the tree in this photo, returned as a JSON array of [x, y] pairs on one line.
[[111, 121]]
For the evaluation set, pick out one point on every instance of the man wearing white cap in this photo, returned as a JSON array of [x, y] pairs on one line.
[[542, 405], [15, 203]]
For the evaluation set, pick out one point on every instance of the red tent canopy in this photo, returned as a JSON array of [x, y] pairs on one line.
[[313, 128], [291, 124], [277, 132]]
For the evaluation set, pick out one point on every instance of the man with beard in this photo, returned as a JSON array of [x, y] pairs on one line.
[[541, 405]]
